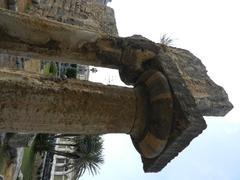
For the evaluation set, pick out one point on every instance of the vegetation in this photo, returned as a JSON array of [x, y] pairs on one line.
[[50, 69], [71, 73], [84, 151], [28, 162], [165, 40]]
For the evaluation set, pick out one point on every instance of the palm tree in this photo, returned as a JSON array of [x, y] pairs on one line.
[[84, 152], [89, 151]]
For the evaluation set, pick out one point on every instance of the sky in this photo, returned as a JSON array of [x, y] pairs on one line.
[[210, 29]]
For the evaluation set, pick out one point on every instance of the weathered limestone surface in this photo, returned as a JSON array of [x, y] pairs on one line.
[[30, 103], [40, 38], [210, 98], [91, 15], [45, 39], [188, 122]]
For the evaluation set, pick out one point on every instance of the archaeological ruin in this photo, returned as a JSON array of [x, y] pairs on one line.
[[162, 113]]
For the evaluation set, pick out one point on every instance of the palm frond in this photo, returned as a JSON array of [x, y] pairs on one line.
[[89, 151]]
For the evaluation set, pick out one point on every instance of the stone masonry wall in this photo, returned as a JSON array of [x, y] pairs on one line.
[[91, 15]]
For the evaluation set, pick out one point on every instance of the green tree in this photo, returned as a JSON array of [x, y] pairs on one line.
[[84, 152], [50, 69], [71, 73]]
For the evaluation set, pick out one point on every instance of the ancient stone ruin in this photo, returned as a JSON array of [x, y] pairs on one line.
[[163, 111]]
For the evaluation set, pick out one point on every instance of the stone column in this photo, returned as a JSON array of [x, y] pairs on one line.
[[30, 103]]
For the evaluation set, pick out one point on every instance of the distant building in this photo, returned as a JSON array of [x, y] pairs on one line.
[[66, 70], [59, 171], [82, 71], [11, 62], [19, 63]]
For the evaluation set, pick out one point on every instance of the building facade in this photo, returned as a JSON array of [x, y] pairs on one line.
[[59, 171]]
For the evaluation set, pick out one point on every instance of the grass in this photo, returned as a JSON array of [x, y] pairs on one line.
[[166, 40], [28, 162]]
